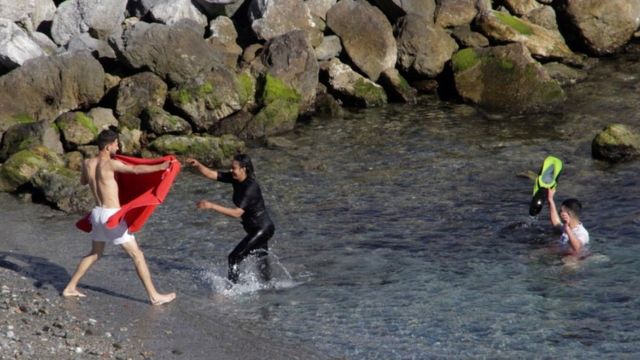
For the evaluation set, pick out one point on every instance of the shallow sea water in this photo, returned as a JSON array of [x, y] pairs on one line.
[[403, 233]]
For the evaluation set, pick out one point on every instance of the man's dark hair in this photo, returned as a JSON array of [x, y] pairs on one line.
[[106, 137], [245, 162], [574, 206]]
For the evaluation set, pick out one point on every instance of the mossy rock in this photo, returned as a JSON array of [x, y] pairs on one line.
[[513, 22], [60, 187], [209, 149], [464, 59], [369, 93], [77, 129], [23, 165], [616, 143]]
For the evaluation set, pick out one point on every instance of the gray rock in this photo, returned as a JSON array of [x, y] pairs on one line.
[[161, 122], [351, 87], [45, 43], [329, 48], [30, 13], [319, 8], [60, 186], [77, 129], [423, 49], [170, 12], [397, 87], [175, 53], [223, 38], [100, 49], [130, 141], [291, 59], [468, 38], [103, 118], [544, 16], [272, 18], [366, 36], [451, 13], [16, 46], [138, 92], [564, 74], [100, 18], [604, 26], [484, 75], [522, 7], [25, 136], [616, 143], [541, 42], [46, 87], [208, 98]]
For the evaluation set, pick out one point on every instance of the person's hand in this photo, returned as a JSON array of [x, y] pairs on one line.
[[193, 162], [204, 204], [550, 193]]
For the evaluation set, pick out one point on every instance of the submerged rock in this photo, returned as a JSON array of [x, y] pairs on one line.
[[616, 143]]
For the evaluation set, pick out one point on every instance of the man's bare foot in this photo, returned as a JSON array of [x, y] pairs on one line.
[[163, 298], [72, 293]]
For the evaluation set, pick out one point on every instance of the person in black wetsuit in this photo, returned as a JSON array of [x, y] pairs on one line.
[[249, 203]]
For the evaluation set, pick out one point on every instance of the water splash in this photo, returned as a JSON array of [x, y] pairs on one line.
[[249, 283]]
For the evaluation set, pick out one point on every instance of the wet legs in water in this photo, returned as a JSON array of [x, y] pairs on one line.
[[255, 243]]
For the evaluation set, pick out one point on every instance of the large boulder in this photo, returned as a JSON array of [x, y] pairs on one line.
[[25, 136], [224, 39], [16, 46], [351, 87], [505, 79], [175, 53], [273, 18], [171, 12], [210, 150], [77, 129], [100, 18], [23, 165], [616, 143], [451, 13], [541, 42], [135, 94], [100, 49], [208, 98], [367, 36], [30, 13], [603, 26], [160, 122], [61, 187], [291, 59], [46, 87], [281, 106], [423, 48]]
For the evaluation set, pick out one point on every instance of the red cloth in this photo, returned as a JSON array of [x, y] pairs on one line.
[[139, 193]]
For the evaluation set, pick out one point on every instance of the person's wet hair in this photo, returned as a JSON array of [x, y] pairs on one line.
[[245, 162], [574, 206], [106, 137]]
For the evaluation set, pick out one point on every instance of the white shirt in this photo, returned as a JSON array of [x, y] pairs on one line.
[[581, 234]]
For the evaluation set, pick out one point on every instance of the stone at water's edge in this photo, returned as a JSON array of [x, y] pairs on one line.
[[61, 187], [616, 143], [23, 165], [214, 151], [25, 136], [505, 79], [351, 87]]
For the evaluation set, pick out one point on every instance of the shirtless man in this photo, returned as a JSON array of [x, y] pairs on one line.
[[99, 174]]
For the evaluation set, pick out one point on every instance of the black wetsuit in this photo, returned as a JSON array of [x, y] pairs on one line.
[[256, 222]]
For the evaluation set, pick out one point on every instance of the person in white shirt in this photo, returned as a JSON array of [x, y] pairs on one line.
[[575, 238]]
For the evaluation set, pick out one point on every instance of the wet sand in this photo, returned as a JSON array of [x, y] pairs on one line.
[[39, 250]]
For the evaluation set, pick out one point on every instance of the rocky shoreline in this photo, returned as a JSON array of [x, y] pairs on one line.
[[36, 325], [208, 78]]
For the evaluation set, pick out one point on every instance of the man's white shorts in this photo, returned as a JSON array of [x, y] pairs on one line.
[[99, 231]]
